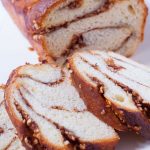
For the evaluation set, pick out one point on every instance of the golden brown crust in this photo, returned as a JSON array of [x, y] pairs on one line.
[[144, 18], [23, 130], [145, 14]]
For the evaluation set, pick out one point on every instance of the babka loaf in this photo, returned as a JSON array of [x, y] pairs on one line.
[[122, 83], [8, 134], [49, 114], [57, 27]]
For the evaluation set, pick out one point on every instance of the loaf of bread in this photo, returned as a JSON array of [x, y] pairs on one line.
[[122, 83], [8, 134], [55, 28], [49, 113]]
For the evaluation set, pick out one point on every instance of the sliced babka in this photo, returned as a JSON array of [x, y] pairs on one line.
[[49, 113], [122, 83]]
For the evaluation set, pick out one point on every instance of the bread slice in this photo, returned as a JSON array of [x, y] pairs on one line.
[[49, 114], [123, 83], [57, 27], [8, 134]]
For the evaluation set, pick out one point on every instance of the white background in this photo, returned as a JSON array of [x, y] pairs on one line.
[[14, 52]]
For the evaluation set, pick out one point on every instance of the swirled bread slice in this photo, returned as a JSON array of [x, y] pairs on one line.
[[8, 134], [123, 84], [57, 27], [49, 114]]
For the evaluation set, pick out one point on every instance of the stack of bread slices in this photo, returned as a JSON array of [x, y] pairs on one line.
[[81, 94], [77, 106]]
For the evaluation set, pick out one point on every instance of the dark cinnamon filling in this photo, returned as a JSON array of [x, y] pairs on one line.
[[129, 63], [59, 81], [75, 4], [111, 64], [78, 42]]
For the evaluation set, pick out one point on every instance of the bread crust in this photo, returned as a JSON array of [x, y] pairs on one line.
[[129, 119], [29, 16], [23, 131], [144, 18]]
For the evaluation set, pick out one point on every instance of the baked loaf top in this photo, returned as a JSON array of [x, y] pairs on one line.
[[8, 134], [40, 15], [49, 113], [57, 27], [122, 82]]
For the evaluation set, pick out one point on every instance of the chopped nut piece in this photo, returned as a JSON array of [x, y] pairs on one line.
[[1, 130], [31, 49], [137, 128], [66, 142], [101, 90], [139, 105], [108, 102], [29, 122], [70, 71], [35, 25], [80, 86], [82, 146], [103, 112], [35, 141], [108, 106], [140, 108], [145, 109], [27, 142], [119, 98]]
